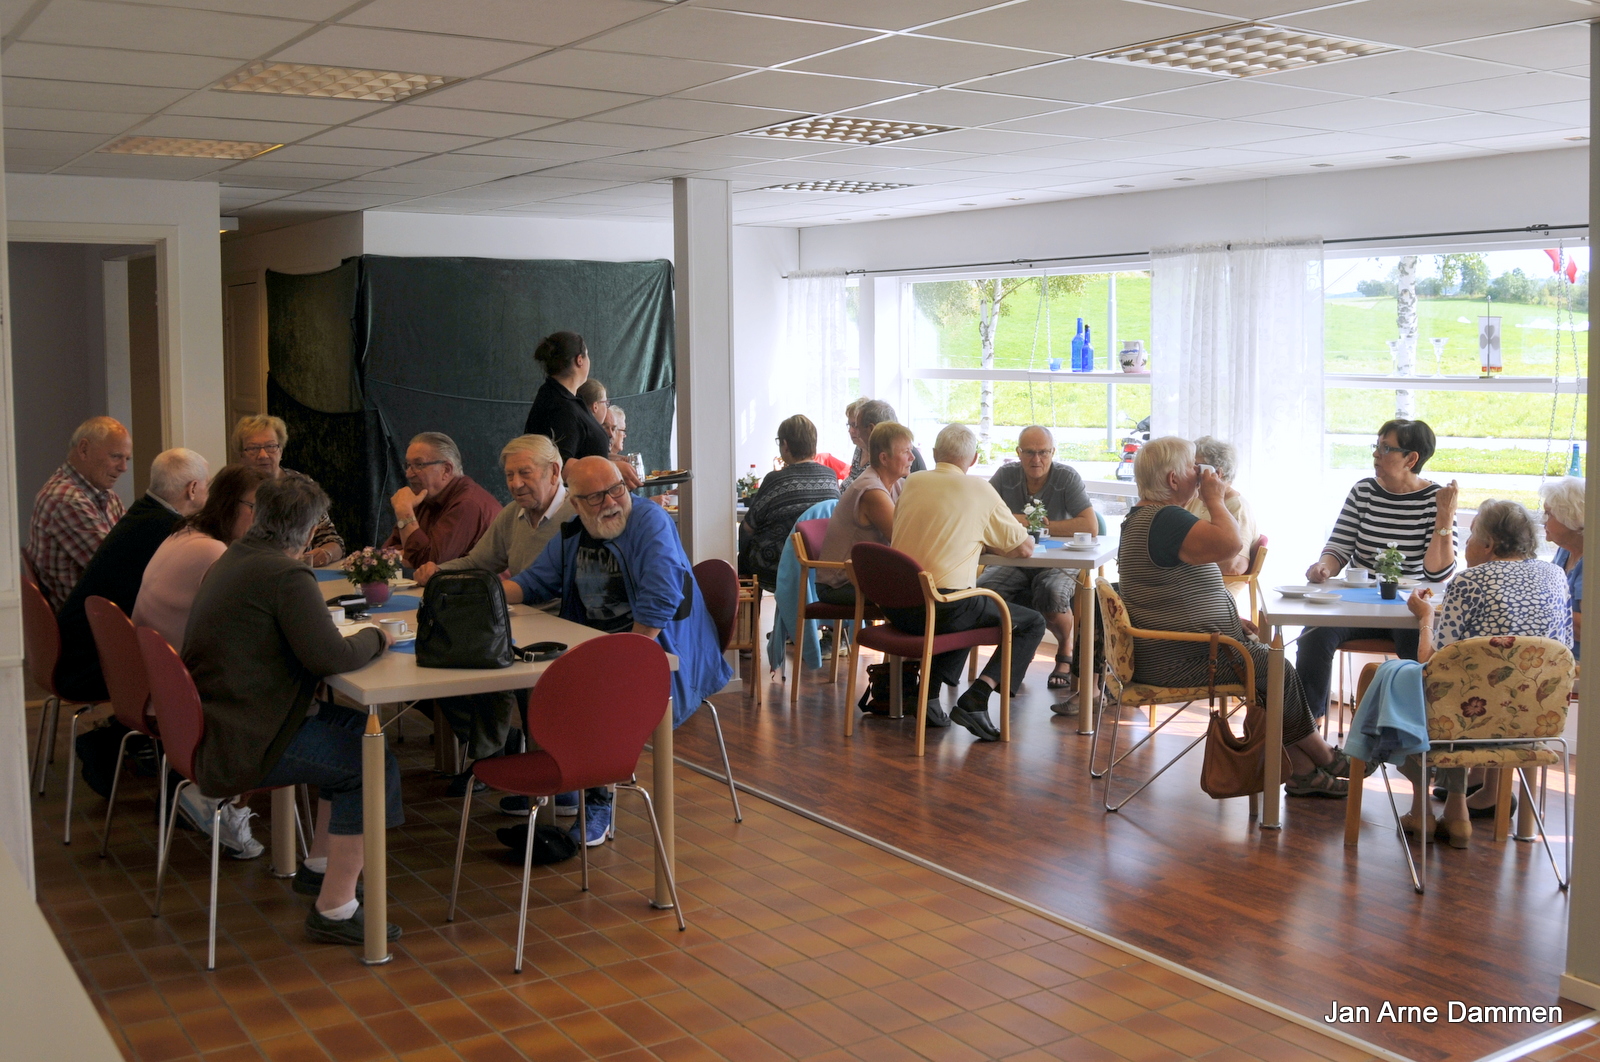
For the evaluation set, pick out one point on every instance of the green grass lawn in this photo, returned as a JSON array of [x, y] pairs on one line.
[[1516, 462]]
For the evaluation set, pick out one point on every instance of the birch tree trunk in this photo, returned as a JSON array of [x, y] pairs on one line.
[[988, 322], [1405, 405]]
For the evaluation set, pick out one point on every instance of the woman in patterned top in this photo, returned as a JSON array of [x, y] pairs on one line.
[[1563, 526], [1393, 505], [1505, 590]]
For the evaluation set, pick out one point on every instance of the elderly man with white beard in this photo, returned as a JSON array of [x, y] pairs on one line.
[[621, 567]]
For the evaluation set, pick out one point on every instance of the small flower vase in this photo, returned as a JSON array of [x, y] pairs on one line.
[[1037, 535], [1388, 590], [378, 593]]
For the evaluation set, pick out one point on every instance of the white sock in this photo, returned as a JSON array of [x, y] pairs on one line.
[[318, 864], [343, 913]]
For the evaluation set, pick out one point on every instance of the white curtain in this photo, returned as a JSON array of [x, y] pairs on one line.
[[816, 343], [1236, 352]]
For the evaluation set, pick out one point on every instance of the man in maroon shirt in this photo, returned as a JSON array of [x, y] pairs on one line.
[[443, 513]]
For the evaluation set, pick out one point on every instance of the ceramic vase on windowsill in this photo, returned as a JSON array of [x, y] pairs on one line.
[[375, 593]]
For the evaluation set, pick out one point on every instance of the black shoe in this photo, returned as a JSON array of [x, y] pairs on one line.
[[972, 712], [1488, 812], [937, 716], [308, 882], [458, 785], [1439, 792], [515, 805], [352, 930]]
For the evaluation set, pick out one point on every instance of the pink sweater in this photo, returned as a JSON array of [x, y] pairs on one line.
[[171, 581]]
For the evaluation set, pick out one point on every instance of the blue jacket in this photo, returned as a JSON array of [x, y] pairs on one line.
[[661, 591], [1392, 722], [785, 594]]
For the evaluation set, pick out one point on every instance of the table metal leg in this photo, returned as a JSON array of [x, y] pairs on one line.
[[897, 696], [1272, 797], [284, 863], [666, 809], [1086, 674], [374, 822]]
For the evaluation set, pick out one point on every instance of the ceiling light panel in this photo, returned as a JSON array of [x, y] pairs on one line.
[[179, 147], [1243, 51], [331, 82], [852, 187], [848, 130]]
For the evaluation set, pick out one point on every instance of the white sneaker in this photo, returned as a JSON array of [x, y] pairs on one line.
[[196, 810], [235, 835]]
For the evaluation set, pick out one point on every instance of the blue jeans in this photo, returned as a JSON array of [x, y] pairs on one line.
[[326, 752], [1314, 660]]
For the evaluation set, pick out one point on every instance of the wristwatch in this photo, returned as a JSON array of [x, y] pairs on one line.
[[1443, 532], [403, 524]]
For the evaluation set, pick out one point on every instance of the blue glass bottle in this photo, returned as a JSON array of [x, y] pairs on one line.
[[1088, 349], [1575, 467], [1077, 348]]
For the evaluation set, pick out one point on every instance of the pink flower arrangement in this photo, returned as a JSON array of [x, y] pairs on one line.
[[372, 565]]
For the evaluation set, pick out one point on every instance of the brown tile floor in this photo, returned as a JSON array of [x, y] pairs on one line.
[[802, 943]]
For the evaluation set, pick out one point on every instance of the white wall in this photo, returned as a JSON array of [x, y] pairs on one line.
[[181, 218], [313, 247], [1499, 191], [465, 236]]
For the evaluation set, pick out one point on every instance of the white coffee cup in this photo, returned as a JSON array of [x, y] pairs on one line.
[[395, 628], [1082, 538], [1357, 575], [337, 614]]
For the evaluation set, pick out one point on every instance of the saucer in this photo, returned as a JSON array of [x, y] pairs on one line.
[[1323, 598], [402, 584], [1081, 547], [1296, 591]]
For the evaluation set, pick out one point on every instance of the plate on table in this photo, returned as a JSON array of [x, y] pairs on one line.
[[402, 584], [1295, 591], [1081, 547], [1323, 597], [1409, 582]]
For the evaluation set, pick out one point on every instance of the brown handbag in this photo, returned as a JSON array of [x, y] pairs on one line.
[[1234, 766]]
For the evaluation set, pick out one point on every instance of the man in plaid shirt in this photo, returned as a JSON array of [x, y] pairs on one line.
[[76, 507]]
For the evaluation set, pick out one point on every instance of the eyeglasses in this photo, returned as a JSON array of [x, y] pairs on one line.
[[613, 492], [418, 466], [260, 448], [1384, 449], [249, 503], [1036, 453]]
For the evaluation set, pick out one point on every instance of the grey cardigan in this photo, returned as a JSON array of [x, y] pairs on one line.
[[258, 642]]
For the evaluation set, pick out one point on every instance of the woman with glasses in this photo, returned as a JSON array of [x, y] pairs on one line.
[[1393, 505], [260, 441]]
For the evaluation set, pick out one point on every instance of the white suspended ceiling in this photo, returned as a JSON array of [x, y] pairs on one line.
[[586, 108]]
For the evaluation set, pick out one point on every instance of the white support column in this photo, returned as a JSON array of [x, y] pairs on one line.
[[702, 215], [1581, 982]]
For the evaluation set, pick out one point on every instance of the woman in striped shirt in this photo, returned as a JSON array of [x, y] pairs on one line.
[[1393, 505]]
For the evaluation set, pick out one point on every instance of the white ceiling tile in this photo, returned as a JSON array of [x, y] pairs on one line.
[[1202, 158], [445, 120], [53, 140], [1504, 93], [68, 121], [1416, 23], [282, 184], [513, 98], [325, 171], [86, 96], [1319, 144], [725, 37], [683, 161], [800, 170], [1360, 113], [956, 107], [538, 149], [1218, 134], [613, 170], [350, 200], [156, 167], [227, 129], [1522, 142], [552, 22], [413, 53], [922, 60], [1108, 170], [1235, 99], [759, 147], [877, 14], [106, 66], [1073, 27], [1574, 114], [1465, 127], [616, 134], [392, 139], [996, 164], [213, 103], [886, 155], [146, 28], [1097, 121], [370, 158], [642, 74], [1099, 150], [1089, 81], [1390, 72], [818, 93], [984, 141], [697, 115], [1253, 9], [1540, 49]]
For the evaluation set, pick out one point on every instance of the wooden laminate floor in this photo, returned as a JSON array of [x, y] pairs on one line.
[[1293, 917]]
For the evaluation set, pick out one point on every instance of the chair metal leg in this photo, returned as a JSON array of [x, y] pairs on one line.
[[166, 849], [161, 804], [1527, 795], [655, 828], [583, 834], [1099, 711], [461, 848], [43, 747], [303, 792], [216, 850], [727, 769], [111, 801], [1422, 827], [527, 871], [1400, 830], [55, 725], [72, 769]]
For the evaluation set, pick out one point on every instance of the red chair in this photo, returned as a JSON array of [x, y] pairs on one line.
[[123, 667], [807, 537], [590, 712], [719, 586], [890, 579], [41, 640]]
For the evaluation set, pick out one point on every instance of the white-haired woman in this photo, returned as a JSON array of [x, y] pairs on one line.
[[1170, 581], [1223, 457], [1563, 526]]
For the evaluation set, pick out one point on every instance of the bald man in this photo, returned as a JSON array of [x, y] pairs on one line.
[[76, 508], [620, 567]]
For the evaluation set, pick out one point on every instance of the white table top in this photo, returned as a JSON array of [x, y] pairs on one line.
[[1104, 552], [1283, 611]]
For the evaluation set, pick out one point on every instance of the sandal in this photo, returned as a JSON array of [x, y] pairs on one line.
[[1318, 782], [1062, 677]]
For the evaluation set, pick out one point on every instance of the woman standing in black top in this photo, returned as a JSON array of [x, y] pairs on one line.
[[557, 410]]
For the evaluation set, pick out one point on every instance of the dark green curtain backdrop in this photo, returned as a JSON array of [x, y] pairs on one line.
[[446, 344]]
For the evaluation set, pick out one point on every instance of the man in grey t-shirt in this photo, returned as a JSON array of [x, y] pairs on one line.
[[1039, 477]]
